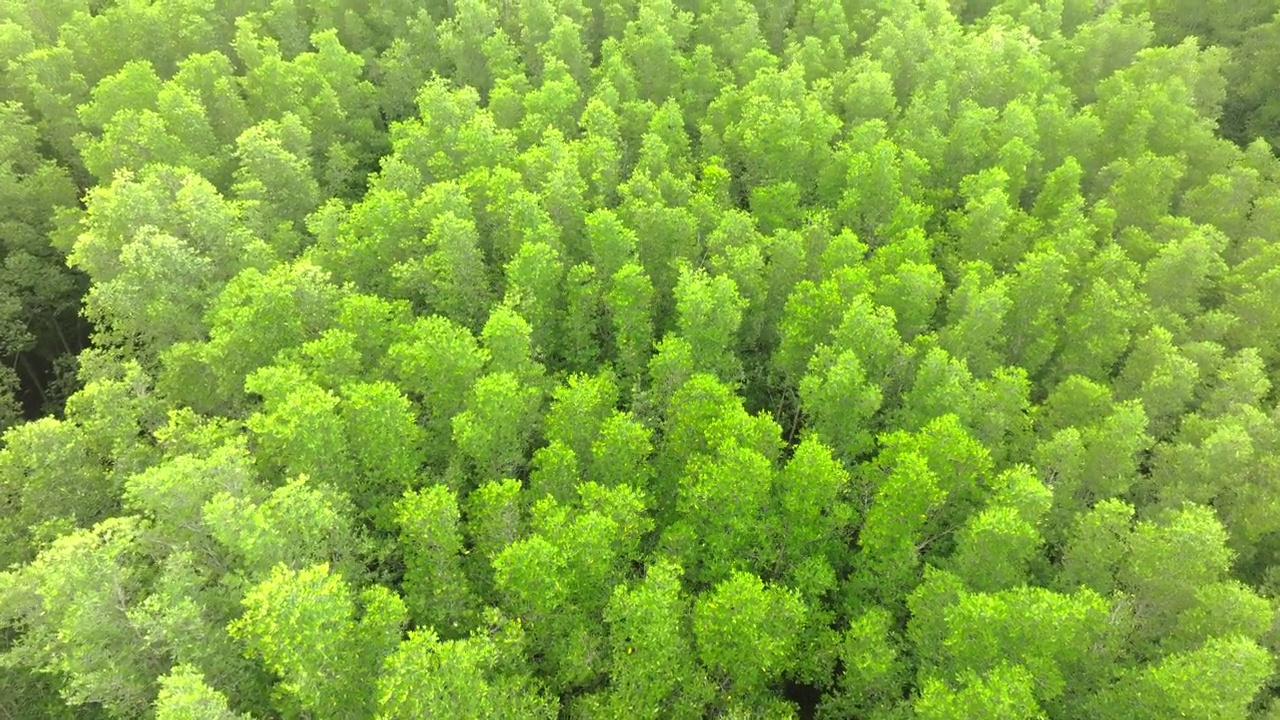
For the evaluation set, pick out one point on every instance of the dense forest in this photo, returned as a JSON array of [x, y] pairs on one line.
[[579, 359]]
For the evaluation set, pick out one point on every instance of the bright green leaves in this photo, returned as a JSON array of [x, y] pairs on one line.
[[303, 624], [184, 695], [173, 493], [385, 444], [429, 677], [840, 402], [1096, 547], [912, 290], [259, 314], [894, 526], [874, 671], [746, 636], [578, 411], [1169, 562], [1038, 293], [159, 246], [881, 181], [1248, 287], [275, 183], [495, 519], [158, 296], [299, 429], [455, 283], [621, 453], [1101, 318], [496, 425], [1091, 448], [72, 604], [40, 459], [709, 311], [654, 668], [558, 580], [143, 121], [1173, 570], [297, 525], [61, 474], [1225, 609], [986, 228], [456, 679], [1161, 377], [813, 509], [706, 424], [589, 438], [535, 289], [1180, 277], [1004, 693], [921, 488], [1176, 687], [653, 43], [975, 329], [508, 338], [1222, 461], [453, 136], [1061, 640], [995, 548], [725, 500], [437, 362], [325, 88], [630, 302], [681, 359], [775, 127], [436, 590], [554, 471]]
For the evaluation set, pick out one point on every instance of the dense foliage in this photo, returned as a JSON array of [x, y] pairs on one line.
[[639, 359]]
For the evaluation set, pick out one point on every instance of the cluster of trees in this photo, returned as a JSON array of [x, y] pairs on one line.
[[639, 358]]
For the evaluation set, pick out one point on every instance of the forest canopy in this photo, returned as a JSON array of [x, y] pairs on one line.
[[874, 359]]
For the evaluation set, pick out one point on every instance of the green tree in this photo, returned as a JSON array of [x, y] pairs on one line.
[[654, 671], [274, 181], [1097, 547], [185, 695], [496, 424], [385, 444], [435, 588], [456, 679], [630, 303], [977, 311], [73, 604], [709, 311], [535, 289], [259, 314], [494, 520], [874, 668], [746, 635], [436, 362], [840, 402], [297, 525], [303, 625], [1005, 692], [814, 514], [160, 246], [1166, 688]]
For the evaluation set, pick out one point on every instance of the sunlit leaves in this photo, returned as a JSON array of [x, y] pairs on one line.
[[746, 633], [681, 359], [303, 625]]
